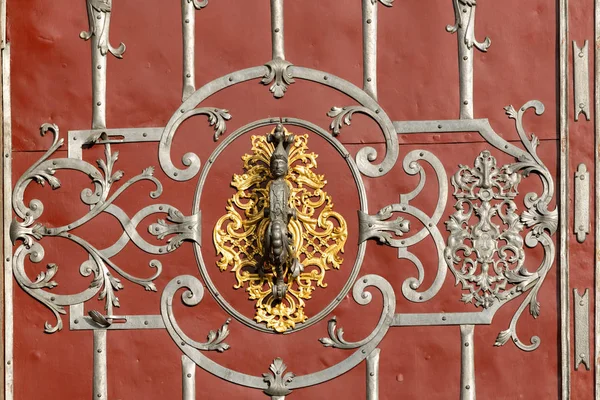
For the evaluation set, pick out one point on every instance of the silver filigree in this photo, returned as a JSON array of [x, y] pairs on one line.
[[278, 73], [489, 191], [99, 20], [277, 379]]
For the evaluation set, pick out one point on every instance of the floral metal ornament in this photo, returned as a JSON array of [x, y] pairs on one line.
[[317, 233]]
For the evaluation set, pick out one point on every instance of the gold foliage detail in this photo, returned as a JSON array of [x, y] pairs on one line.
[[318, 233]]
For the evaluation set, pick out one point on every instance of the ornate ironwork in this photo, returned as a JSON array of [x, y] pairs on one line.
[[318, 233]]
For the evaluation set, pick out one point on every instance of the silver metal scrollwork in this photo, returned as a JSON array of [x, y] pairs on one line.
[[488, 258], [99, 267]]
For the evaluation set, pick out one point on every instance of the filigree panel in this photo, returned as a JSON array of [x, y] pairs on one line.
[[318, 232]]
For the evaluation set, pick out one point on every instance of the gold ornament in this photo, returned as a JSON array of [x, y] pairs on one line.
[[318, 233]]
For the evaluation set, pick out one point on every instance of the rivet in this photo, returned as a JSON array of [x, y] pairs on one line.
[[8, 362], [465, 58], [99, 350], [380, 169], [99, 67], [377, 111], [372, 374], [370, 225], [276, 30], [464, 10], [160, 250], [190, 227], [369, 79], [183, 343], [365, 280], [145, 322], [420, 297], [231, 79], [68, 226], [581, 105], [175, 173], [160, 208], [581, 227], [369, 21], [581, 303], [467, 387], [421, 154], [144, 134], [99, 395], [465, 102], [443, 318], [439, 126], [188, 75], [582, 355], [582, 177], [325, 77], [52, 298], [189, 375], [99, 103], [364, 351], [179, 282], [6, 155], [99, 17], [7, 259], [522, 108], [76, 321], [581, 55], [182, 110], [187, 21], [466, 344]]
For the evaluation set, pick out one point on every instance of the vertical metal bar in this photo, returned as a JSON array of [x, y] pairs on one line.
[[465, 59], [565, 339], [98, 81], [188, 18], [369, 10], [100, 371], [581, 78], [581, 304], [188, 370], [277, 29], [7, 357], [597, 196], [373, 375], [467, 363]]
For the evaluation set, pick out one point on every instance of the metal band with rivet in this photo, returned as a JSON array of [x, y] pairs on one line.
[[467, 364], [373, 375]]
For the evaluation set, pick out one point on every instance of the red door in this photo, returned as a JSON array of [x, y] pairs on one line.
[[306, 200]]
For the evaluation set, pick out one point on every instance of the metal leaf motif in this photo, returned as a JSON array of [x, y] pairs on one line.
[[99, 22], [464, 12], [278, 73], [277, 380]]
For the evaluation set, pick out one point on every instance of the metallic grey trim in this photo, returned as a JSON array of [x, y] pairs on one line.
[[369, 25], [597, 202], [80, 322], [563, 200], [99, 23], [582, 329], [277, 37], [364, 158], [467, 363], [581, 227], [188, 24], [7, 218], [464, 27], [193, 296], [363, 207], [188, 378], [100, 367], [373, 375], [581, 89], [79, 139]]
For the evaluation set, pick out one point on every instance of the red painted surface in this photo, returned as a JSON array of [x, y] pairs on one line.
[[418, 75]]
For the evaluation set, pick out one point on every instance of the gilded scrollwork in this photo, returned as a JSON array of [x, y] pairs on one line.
[[318, 233]]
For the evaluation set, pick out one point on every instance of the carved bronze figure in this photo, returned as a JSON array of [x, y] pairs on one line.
[[277, 250]]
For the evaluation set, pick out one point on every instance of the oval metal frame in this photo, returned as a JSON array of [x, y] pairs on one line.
[[363, 207], [364, 158]]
